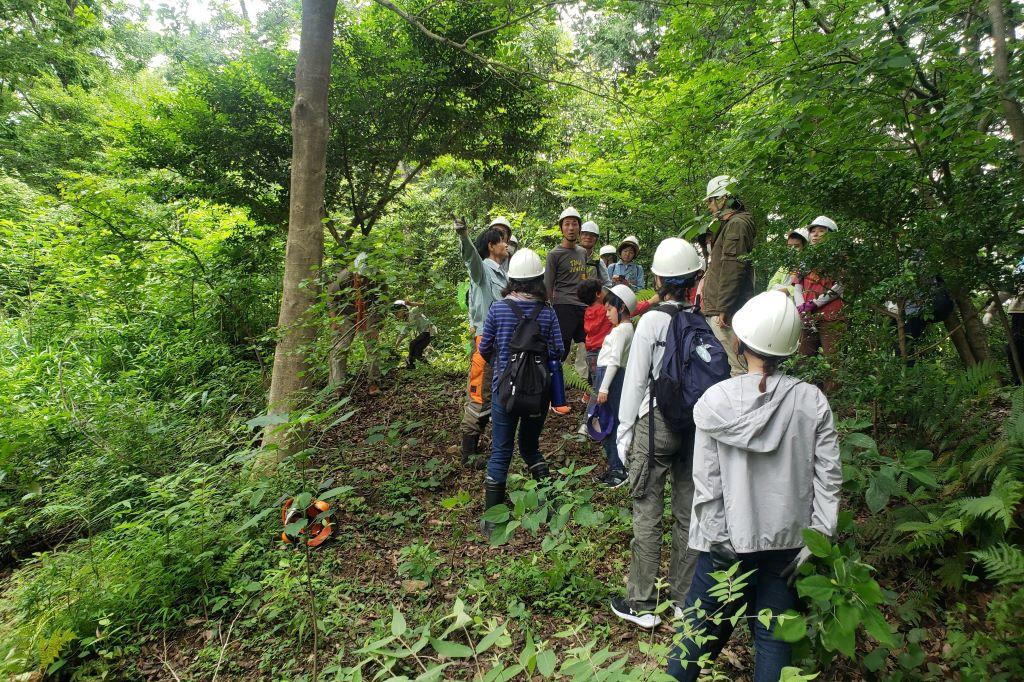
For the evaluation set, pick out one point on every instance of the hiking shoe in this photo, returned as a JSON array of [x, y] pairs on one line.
[[561, 410], [625, 610], [583, 429], [613, 478]]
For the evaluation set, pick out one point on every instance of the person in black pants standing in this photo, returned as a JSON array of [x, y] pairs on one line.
[[566, 267]]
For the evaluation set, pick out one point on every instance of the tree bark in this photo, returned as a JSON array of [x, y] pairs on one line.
[[1001, 70], [974, 331], [959, 339], [305, 244]]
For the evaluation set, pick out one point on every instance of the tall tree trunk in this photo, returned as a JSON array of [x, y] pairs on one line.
[[959, 339], [1001, 70], [974, 331], [305, 247]]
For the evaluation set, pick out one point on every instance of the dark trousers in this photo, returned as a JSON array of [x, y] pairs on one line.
[[570, 323], [504, 429], [417, 347], [766, 589]]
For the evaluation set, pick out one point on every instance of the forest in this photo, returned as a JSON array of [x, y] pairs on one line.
[[221, 457]]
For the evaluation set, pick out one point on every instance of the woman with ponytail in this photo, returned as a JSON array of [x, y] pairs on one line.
[[765, 468]]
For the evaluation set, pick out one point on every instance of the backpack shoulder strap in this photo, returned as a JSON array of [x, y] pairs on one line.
[[515, 308], [536, 312]]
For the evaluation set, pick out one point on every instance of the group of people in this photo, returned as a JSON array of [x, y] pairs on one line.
[[688, 397]]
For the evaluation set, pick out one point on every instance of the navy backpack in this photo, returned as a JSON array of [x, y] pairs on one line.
[[694, 361]]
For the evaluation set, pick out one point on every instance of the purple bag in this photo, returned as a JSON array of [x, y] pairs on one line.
[[600, 421]]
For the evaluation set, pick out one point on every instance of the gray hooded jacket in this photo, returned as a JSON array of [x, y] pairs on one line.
[[765, 465]]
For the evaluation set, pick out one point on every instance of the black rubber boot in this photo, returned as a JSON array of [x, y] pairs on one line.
[[470, 443], [540, 471], [494, 494]]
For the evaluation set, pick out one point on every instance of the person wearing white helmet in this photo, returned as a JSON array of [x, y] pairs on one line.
[[729, 280], [513, 246], [523, 299], [822, 307], [608, 255], [766, 468], [626, 271], [565, 268], [787, 279], [486, 262], [502, 224], [589, 234], [619, 306], [675, 266]]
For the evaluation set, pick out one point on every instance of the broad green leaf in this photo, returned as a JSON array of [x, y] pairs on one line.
[[546, 662], [398, 627], [878, 627], [817, 543], [790, 627], [451, 649], [816, 587], [497, 514]]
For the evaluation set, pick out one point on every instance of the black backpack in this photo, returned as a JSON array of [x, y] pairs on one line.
[[694, 361], [524, 387]]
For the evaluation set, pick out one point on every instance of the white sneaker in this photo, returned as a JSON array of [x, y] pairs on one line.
[[624, 610]]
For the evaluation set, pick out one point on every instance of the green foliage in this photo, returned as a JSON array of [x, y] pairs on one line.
[[418, 562], [1004, 563]]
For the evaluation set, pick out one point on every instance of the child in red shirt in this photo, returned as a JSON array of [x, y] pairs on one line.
[[595, 322]]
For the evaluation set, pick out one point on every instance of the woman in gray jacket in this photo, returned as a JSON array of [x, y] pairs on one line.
[[765, 467]]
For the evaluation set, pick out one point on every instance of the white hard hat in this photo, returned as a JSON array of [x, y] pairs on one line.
[[720, 186], [607, 250], [626, 294], [569, 212], [631, 239], [591, 227], [769, 324], [525, 264], [512, 239], [824, 221], [801, 232], [675, 257], [501, 220]]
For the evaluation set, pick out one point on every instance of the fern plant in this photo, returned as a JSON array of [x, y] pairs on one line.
[[1004, 563]]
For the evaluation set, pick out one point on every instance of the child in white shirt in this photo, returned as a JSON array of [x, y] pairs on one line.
[[620, 304]]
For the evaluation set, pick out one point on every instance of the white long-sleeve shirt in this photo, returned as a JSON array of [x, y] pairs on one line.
[[613, 353], [645, 356]]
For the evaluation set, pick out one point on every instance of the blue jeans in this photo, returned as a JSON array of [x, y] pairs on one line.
[[503, 437], [765, 590], [614, 396]]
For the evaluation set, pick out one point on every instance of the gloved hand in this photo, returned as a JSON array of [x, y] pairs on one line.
[[460, 226], [807, 307], [791, 571], [723, 556]]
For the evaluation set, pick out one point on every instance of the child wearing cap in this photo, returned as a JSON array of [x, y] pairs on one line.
[[626, 271], [619, 305]]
